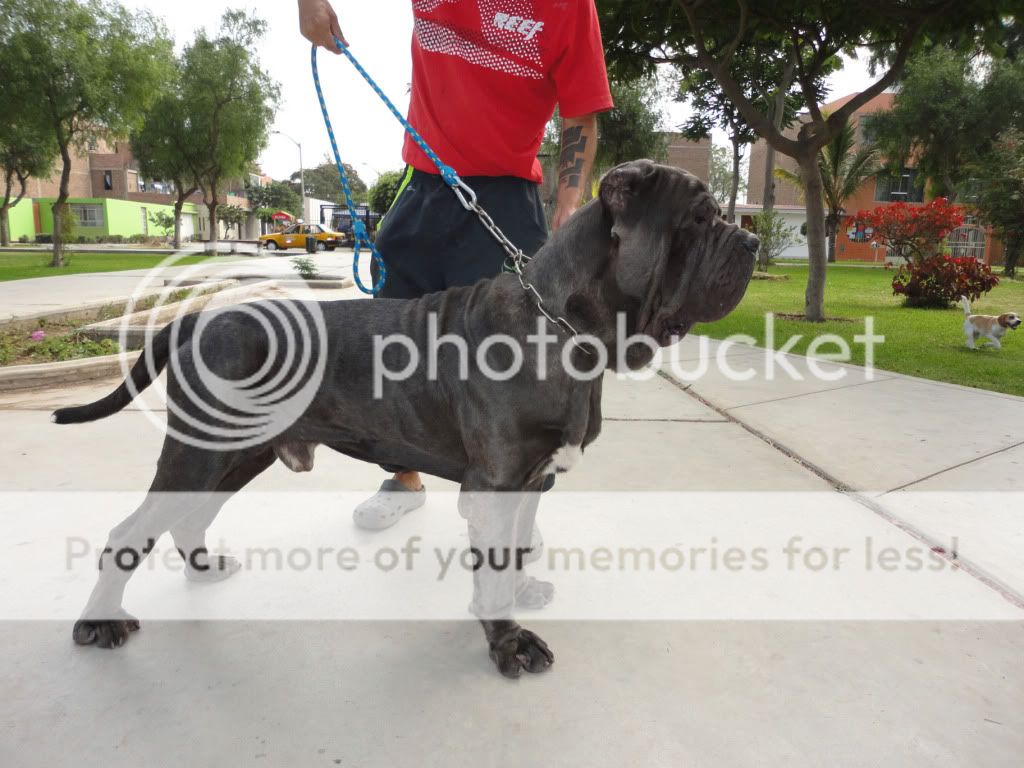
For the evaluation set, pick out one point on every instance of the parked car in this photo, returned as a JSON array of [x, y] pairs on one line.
[[295, 237]]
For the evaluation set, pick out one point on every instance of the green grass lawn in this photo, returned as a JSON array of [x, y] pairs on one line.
[[18, 266], [919, 342]]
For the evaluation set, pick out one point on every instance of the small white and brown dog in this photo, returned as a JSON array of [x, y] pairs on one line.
[[991, 327]]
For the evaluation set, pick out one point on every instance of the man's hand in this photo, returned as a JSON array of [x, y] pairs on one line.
[[579, 145], [319, 24]]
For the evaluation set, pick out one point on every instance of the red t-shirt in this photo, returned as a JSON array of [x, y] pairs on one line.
[[486, 75]]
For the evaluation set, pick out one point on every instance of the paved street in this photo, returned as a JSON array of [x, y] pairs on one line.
[[714, 669], [847, 666]]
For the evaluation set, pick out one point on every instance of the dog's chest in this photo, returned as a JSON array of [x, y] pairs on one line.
[[564, 459]]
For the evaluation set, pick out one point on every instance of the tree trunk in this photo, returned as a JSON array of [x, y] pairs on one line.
[[211, 206], [178, 205], [5, 207], [735, 187], [60, 208], [831, 232], [814, 298], [777, 110], [1014, 244]]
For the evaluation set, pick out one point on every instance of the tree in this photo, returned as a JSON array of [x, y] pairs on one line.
[[630, 129], [384, 191], [228, 99], [844, 166], [322, 182], [275, 196], [942, 116], [720, 175], [233, 216], [692, 34], [165, 222], [89, 67], [760, 70], [997, 186], [26, 149], [165, 147]]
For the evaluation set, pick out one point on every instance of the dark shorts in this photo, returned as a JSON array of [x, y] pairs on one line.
[[429, 242]]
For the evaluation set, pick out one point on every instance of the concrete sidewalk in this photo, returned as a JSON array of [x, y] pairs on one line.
[[27, 298], [870, 456]]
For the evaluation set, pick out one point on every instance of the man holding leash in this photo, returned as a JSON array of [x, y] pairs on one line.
[[486, 77]]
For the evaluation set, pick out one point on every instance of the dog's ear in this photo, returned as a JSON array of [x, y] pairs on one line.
[[621, 186], [639, 223]]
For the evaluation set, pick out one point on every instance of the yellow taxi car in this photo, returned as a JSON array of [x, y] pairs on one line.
[[295, 237]]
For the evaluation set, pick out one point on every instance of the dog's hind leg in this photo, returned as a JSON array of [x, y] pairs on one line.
[[185, 477], [189, 534]]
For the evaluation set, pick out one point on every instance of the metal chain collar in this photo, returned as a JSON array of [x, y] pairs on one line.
[[516, 259]]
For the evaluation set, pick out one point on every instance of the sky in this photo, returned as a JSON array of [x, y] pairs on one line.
[[379, 34]]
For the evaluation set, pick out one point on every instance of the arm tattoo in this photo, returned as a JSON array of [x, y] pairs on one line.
[[570, 162]]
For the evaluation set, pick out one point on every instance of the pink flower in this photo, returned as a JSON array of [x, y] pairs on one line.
[[38, 335]]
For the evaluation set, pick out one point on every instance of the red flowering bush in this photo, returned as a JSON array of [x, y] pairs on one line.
[[937, 281], [913, 232]]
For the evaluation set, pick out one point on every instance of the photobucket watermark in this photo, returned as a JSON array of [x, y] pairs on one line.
[[399, 357]]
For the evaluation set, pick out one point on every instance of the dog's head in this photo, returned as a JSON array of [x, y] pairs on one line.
[[1009, 320], [672, 253]]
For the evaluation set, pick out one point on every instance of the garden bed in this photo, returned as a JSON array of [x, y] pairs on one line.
[[64, 335]]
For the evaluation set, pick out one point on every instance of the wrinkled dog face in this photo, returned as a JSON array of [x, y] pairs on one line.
[[673, 253]]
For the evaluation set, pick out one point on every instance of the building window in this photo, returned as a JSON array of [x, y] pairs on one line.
[[900, 188], [967, 241], [87, 215], [108, 180]]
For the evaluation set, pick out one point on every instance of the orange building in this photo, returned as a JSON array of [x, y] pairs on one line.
[[971, 239]]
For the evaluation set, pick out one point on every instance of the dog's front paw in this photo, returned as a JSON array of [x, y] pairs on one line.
[[106, 633], [520, 649], [212, 568]]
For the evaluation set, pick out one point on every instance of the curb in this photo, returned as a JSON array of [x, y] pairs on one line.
[[45, 375]]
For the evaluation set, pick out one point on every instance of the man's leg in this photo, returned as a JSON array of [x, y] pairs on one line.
[[409, 240]]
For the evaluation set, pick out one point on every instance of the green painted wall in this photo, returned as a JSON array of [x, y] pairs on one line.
[[120, 217], [21, 220]]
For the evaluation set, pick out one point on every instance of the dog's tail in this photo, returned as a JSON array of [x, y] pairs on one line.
[[146, 368], [965, 304]]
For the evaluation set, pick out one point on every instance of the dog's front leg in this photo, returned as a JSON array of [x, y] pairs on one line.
[[497, 545]]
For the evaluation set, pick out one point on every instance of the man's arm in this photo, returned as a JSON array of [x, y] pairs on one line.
[[576, 159]]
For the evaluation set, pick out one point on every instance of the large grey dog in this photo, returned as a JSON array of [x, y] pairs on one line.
[[652, 249]]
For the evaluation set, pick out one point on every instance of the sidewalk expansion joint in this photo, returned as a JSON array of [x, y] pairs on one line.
[[956, 466], [1005, 591], [809, 394]]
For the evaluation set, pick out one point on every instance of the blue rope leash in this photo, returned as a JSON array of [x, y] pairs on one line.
[[466, 195]]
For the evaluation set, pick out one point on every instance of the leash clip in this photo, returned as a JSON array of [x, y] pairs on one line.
[[461, 190]]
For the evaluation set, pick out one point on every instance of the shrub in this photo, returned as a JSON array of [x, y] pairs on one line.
[[912, 232], [306, 267], [775, 236], [938, 281], [44, 239], [23, 239], [71, 347]]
